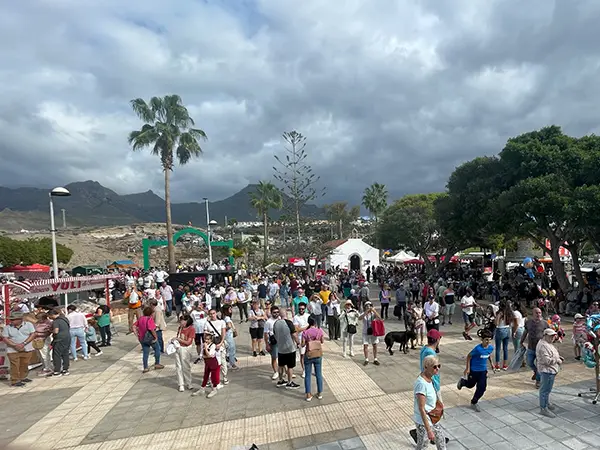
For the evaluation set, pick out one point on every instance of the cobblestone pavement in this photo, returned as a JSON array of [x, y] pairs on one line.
[[107, 403]]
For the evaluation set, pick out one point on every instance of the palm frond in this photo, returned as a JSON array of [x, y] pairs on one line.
[[188, 148], [142, 110], [143, 138]]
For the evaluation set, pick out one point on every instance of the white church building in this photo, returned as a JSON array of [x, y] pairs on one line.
[[352, 254]]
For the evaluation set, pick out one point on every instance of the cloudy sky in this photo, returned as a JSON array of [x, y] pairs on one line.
[[394, 91]]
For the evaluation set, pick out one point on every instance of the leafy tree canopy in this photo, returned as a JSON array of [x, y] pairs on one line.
[[31, 251]]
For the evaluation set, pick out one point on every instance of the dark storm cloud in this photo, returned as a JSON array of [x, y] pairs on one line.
[[397, 91]]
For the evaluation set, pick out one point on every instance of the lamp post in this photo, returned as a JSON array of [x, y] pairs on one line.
[[56, 192], [208, 224]]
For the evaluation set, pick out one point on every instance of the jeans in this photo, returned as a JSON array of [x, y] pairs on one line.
[[308, 363], [60, 356], [285, 302], [105, 334], [531, 363], [169, 306], [80, 334], [231, 349], [501, 337], [547, 382], [401, 309], [479, 379], [384, 310], [146, 353], [161, 341], [517, 338]]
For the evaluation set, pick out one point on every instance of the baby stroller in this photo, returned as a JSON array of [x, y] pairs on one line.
[[484, 318]]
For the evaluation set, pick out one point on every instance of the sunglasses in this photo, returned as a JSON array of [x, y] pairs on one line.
[[437, 367]]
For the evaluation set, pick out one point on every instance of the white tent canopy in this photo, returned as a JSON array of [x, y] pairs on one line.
[[402, 256]]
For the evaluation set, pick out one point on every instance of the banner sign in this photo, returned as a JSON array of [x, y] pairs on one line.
[[43, 288]]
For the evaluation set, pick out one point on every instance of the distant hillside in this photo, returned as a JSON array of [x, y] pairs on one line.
[[91, 203]]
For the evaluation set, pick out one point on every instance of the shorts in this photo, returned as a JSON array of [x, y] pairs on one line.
[[370, 340], [273, 352], [468, 318], [257, 333], [286, 359], [198, 339]]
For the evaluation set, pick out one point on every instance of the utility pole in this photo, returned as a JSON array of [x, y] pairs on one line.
[[64, 218]]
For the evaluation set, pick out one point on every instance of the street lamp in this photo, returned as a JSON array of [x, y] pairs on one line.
[[208, 224], [56, 192]]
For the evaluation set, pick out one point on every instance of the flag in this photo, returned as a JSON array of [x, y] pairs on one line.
[[23, 285]]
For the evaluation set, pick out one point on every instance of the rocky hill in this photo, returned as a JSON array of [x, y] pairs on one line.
[[91, 204]]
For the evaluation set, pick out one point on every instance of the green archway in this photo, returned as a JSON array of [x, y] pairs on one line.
[[147, 244]]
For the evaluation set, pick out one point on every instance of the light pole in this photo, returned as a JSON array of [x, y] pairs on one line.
[[56, 192], [208, 224]]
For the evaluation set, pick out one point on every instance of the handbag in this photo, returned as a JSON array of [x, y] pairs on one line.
[[350, 328], [314, 349], [148, 338], [436, 413], [38, 343], [378, 328]]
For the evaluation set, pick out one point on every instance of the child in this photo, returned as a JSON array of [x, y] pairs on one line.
[[90, 336], [579, 335], [103, 319], [476, 370], [211, 365], [419, 321], [555, 325]]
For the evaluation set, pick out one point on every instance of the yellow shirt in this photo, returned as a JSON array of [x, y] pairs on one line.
[[324, 296]]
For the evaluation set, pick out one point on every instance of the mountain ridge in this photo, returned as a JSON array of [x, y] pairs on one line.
[[92, 204]]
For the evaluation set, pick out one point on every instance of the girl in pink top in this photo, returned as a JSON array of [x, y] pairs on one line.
[[312, 334]]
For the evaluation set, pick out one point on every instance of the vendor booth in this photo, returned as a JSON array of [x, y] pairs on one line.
[[31, 272]]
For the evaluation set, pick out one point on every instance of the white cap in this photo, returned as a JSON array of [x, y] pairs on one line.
[[549, 332], [578, 316]]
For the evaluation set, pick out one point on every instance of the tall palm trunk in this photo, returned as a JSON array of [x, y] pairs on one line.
[[170, 245], [265, 239]]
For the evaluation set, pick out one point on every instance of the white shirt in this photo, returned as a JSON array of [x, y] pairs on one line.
[[160, 276], [148, 281], [520, 319], [467, 301], [315, 307], [133, 297], [166, 292], [432, 310], [301, 321], [241, 297], [217, 324], [199, 321], [268, 328], [150, 293], [333, 305]]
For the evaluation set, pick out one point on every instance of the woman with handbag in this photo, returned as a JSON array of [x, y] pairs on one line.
[[428, 407], [368, 316], [145, 329], [349, 326], [312, 340]]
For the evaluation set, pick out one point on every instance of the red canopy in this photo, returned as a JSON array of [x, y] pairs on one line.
[[414, 261], [31, 268], [453, 259]]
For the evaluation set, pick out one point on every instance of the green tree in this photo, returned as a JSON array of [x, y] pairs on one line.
[[169, 131], [341, 216], [266, 197], [296, 176], [32, 251], [411, 223], [375, 199]]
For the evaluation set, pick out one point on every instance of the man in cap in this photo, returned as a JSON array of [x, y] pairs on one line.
[[18, 336]]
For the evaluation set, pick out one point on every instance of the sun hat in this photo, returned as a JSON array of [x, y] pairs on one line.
[[578, 316], [349, 302], [549, 332]]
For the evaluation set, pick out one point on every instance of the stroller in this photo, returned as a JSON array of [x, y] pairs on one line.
[[484, 318]]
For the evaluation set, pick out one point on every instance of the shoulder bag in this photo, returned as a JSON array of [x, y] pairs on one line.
[[350, 328], [436, 413], [148, 338]]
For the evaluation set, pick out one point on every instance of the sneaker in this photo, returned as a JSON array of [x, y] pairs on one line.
[[537, 384], [99, 353], [413, 434], [158, 366], [449, 323], [74, 359], [275, 376], [465, 335], [145, 370], [198, 392], [352, 354], [308, 399], [181, 389], [533, 377], [551, 407], [475, 407], [197, 360], [496, 366], [505, 368], [320, 396], [254, 354], [26, 380], [262, 353], [219, 386], [577, 358], [281, 383], [292, 385], [303, 375], [18, 384], [459, 384], [211, 394], [376, 362], [85, 358], [190, 387], [54, 374], [225, 381], [65, 373], [366, 362], [546, 412], [469, 338], [344, 355]]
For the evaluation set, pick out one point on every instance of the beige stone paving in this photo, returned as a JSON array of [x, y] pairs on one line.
[[381, 420]]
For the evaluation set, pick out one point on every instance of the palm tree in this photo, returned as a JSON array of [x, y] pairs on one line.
[[375, 199], [168, 129], [266, 197]]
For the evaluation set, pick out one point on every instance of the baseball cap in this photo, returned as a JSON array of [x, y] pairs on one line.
[[434, 334], [549, 332]]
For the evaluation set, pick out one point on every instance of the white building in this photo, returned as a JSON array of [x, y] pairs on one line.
[[353, 254]]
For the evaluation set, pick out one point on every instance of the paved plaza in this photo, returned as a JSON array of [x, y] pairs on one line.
[[107, 403]]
